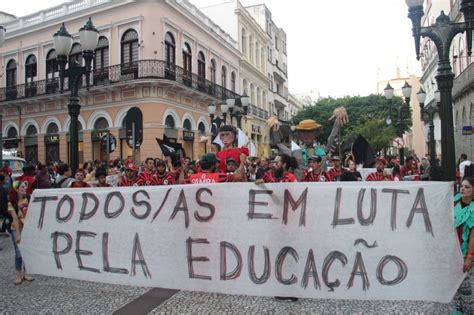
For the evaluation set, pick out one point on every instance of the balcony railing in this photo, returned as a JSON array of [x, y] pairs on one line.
[[258, 112], [139, 70]]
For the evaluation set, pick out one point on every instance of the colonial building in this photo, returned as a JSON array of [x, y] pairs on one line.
[[165, 58], [463, 69], [253, 42]]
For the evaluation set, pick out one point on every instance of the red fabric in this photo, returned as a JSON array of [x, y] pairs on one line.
[[312, 177], [124, 182], [230, 153], [376, 177], [288, 178], [207, 178], [166, 179], [333, 174], [147, 179], [459, 232], [8, 170], [268, 177], [79, 185]]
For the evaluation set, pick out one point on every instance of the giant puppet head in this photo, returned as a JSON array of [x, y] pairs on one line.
[[308, 131]]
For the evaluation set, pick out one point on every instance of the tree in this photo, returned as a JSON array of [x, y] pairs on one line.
[[367, 116]]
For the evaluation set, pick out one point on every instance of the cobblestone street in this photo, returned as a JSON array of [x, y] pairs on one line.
[[49, 295]]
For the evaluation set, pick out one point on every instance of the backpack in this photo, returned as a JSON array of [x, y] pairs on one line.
[[58, 184]]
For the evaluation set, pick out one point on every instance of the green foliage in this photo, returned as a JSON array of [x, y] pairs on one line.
[[367, 116]]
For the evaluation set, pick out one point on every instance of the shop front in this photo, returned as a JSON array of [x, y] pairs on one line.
[[31, 145], [51, 143]]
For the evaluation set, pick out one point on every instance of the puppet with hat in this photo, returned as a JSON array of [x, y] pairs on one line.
[[308, 131]]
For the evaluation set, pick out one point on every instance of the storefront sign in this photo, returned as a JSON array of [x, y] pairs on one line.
[[188, 135], [371, 241], [467, 130], [51, 139]]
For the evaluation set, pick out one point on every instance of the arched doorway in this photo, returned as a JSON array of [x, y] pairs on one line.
[[203, 145], [188, 138], [31, 145], [80, 143], [101, 129], [10, 142], [51, 143]]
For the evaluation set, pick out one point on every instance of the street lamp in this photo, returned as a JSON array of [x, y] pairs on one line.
[[442, 34], [388, 92], [2, 40], [88, 36], [235, 107]]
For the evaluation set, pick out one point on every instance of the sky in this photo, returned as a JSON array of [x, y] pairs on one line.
[[335, 47]]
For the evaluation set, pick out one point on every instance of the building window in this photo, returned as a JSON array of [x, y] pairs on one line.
[[251, 48], [169, 122], [170, 50], [52, 143], [276, 43], [30, 69], [244, 41], [101, 59], [201, 65], [224, 77], [232, 81], [129, 49], [213, 71], [51, 65], [187, 125], [187, 59], [76, 53], [201, 129], [31, 144], [11, 73], [101, 124]]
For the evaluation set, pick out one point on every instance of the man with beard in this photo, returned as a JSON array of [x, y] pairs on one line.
[[263, 167], [148, 176], [314, 172], [210, 172], [163, 177], [228, 136], [130, 177], [283, 173], [380, 174], [335, 173]]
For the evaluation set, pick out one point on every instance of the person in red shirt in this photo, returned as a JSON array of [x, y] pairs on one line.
[[284, 167], [314, 172], [210, 173], [29, 176], [130, 177], [163, 177], [410, 169], [335, 173], [228, 136], [148, 176], [380, 174], [7, 169], [79, 179]]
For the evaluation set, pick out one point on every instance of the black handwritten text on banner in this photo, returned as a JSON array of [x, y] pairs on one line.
[[324, 240]]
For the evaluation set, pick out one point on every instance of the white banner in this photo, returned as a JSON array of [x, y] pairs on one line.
[[369, 241]]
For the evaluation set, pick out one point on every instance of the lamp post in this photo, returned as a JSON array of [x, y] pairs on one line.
[[2, 39], [429, 113], [234, 107], [88, 36], [442, 34], [388, 92]]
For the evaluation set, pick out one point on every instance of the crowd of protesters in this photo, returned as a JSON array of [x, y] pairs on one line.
[[230, 164]]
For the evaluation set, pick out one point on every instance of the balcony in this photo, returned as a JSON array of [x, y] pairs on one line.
[[258, 112], [280, 101], [140, 70]]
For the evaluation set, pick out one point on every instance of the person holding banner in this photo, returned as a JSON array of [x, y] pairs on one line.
[[314, 172], [283, 173], [18, 208], [335, 173], [79, 179], [464, 222], [210, 172], [130, 177], [379, 174], [163, 177], [228, 137], [148, 176]]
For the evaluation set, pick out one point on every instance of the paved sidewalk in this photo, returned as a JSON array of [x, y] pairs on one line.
[[50, 295]]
